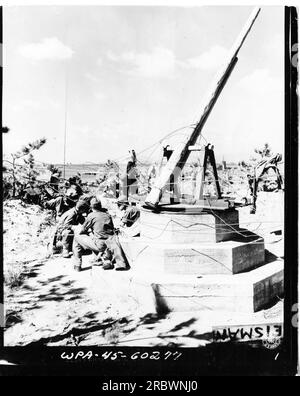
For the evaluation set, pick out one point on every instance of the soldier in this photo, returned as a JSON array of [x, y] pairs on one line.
[[55, 180], [98, 235], [31, 193], [129, 177], [66, 227], [75, 186], [129, 212], [86, 198], [63, 203]]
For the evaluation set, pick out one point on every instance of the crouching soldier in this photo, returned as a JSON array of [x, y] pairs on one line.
[[62, 204], [66, 228], [130, 219], [98, 235], [59, 204]]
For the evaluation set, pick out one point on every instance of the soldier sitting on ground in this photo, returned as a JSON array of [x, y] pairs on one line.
[[66, 227], [98, 236]]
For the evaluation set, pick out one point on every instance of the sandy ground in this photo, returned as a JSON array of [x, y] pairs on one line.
[[53, 305]]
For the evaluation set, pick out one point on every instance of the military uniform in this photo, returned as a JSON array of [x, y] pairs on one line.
[[58, 204], [98, 235], [65, 231]]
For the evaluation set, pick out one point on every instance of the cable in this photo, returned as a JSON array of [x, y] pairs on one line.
[[158, 142], [188, 297]]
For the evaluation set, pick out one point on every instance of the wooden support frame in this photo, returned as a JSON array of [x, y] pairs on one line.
[[209, 156]]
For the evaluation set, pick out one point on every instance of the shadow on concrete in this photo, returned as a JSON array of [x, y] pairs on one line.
[[270, 257], [152, 318], [182, 325], [246, 236]]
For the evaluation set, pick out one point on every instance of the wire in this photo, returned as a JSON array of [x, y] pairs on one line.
[[198, 232], [188, 297], [158, 142], [192, 222]]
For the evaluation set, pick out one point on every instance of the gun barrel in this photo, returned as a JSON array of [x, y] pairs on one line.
[[180, 154]]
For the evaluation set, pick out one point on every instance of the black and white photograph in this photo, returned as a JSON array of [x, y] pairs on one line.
[[150, 189]]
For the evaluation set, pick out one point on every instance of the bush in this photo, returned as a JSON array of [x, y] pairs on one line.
[[14, 275], [22, 170]]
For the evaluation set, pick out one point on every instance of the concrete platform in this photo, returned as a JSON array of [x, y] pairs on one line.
[[155, 293], [230, 257], [247, 292], [194, 261], [183, 328], [187, 227]]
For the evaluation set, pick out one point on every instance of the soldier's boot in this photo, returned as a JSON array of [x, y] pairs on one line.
[[96, 259], [77, 264], [56, 250], [108, 265], [66, 253], [107, 260]]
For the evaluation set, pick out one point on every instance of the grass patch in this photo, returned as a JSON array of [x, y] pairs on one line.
[[14, 275]]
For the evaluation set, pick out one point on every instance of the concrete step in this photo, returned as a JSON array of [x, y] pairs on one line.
[[247, 292], [185, 226], [224, 258], [156, 292]]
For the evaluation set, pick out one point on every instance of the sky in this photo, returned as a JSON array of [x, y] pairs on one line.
[[122, 77]]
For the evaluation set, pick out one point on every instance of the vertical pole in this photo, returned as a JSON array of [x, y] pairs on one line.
[[216, 177], [66, 120], [201, 175], [66, 108]]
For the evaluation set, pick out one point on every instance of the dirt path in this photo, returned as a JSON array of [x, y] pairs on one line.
[[45, 299], [53, 302]]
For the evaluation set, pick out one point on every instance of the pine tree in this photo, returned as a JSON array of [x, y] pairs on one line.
[[23, 167]]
